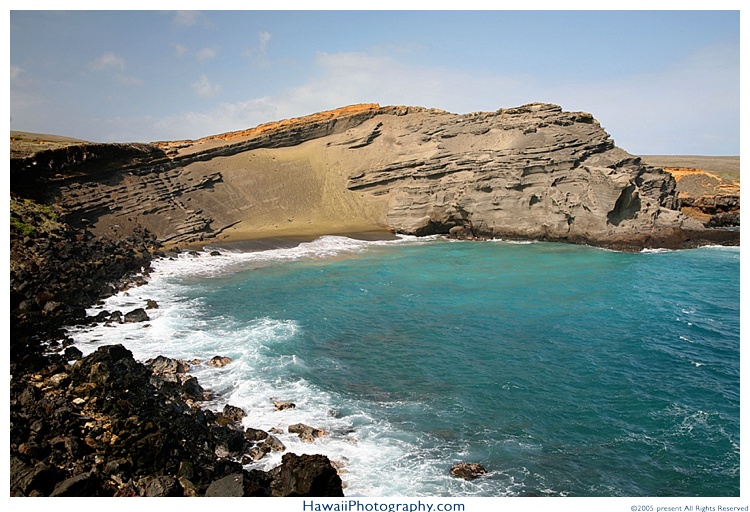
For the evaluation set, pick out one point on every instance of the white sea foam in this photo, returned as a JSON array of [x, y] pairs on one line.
[[514, 242], [730, 248], [655, 251], [377, 458]]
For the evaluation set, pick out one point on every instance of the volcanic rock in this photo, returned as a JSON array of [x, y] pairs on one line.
[[231, 486], [137, 315], [164, 486], [219, 361], [468, 471], [113, 432], [281, 405], [233, 413], [305, 475], [305, 432]]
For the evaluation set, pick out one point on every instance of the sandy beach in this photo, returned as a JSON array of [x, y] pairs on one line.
[[261, 240]]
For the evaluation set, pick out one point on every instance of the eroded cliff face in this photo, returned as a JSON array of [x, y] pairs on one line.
[[528, 172]]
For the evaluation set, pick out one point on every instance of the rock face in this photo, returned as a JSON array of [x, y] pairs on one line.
[[707, 196], [533, 171]]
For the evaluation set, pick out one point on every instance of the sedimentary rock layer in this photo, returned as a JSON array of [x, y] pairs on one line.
[[528, 172]]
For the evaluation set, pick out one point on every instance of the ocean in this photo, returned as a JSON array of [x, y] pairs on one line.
[[564, 370]]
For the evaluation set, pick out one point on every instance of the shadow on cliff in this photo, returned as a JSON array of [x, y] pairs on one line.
[[39, 176]]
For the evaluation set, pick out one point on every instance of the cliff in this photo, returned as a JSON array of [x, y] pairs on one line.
[[533, 171], [708, 187]]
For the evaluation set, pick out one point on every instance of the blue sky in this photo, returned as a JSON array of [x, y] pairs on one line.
[[660, 82]]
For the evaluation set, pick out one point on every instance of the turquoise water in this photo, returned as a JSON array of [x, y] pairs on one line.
[[564, 370]]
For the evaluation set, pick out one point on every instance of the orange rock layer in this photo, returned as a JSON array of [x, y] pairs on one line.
[[722, 187], [287, 124]]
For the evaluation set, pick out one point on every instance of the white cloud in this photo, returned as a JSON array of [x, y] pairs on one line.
[[179, 49], [107, 60], [358, 77], [258, 53], [224, 117], [203, 87], [15, 72], [111, 62], [264, 37], [206, 53], [188, 18]]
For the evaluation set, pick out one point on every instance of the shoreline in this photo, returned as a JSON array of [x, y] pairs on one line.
[[246, 240], [253, 240]]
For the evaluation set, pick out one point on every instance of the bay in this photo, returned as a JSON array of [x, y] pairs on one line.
[[565, 370]]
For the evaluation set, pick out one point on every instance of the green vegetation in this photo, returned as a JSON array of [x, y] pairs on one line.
[[29, 218]]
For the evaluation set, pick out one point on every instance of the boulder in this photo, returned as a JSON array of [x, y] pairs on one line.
[[137, 315], [281, 405], [163, 486], [274, 444], [219, 361], [305, 432], [59, 380], [254, 434], [468, 471], [163, 366], [231, 486], [32, 480], [72, 353], [257, 452], [83, 485], [241, 484], [233, 413], [115, 318], [306, 475]]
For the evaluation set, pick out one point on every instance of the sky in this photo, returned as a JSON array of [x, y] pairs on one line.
[[659, 82]]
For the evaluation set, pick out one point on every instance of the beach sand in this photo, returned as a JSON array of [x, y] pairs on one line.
[[263, 240], [297, 194]]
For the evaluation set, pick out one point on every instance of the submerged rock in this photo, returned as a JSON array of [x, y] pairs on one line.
[[281, 405], [468, 471], [219, 361], [305, 432]]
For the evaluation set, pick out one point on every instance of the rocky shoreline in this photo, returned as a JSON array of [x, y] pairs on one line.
[[105, 424]]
